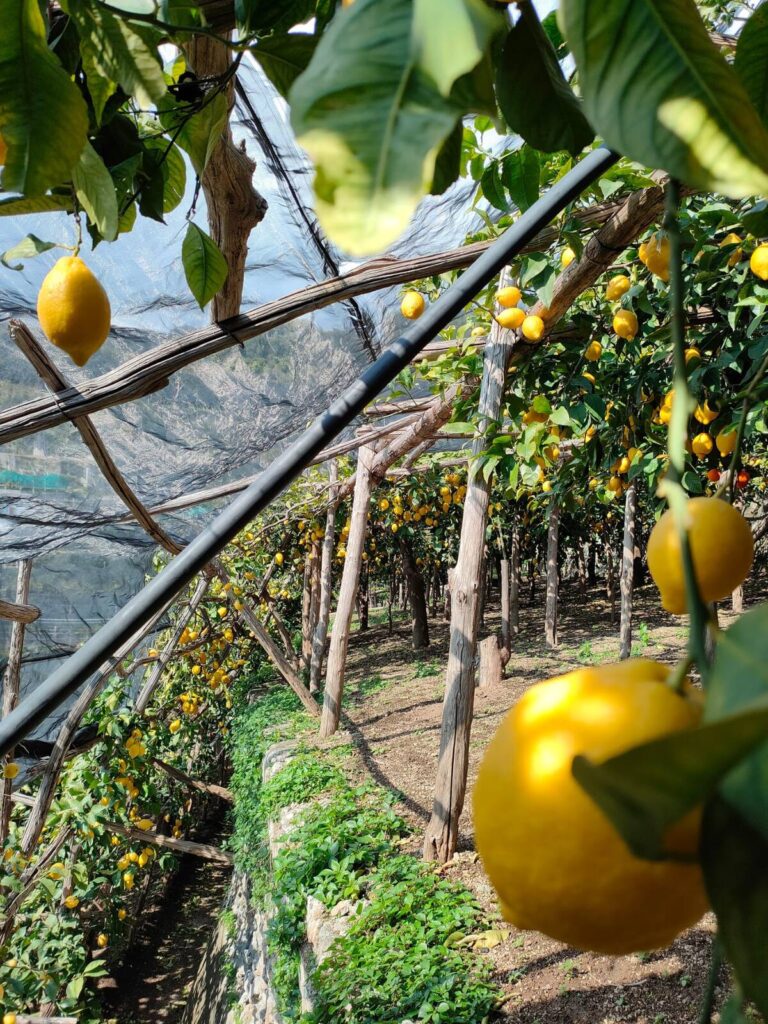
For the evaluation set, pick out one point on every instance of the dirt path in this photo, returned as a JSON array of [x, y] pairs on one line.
[[151, 984], [393, 716]]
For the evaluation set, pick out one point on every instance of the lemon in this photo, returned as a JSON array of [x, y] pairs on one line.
[[533, 328], [618, 285], [656, 255], [588, 376], [512, 318], [383, 504], [279, 558], [692, 354], [567, 256], [509, 296], [102, 940], [758, 262], [625, 324], [476, 332], [10, 770], [721, 547], [614, 484], [738, 254], [593, 351], [73, 309], [9, 1018], [593, 484], [546, 487], [702, 445], [71, 902], [413, 305], [726, 442], [555, 860], [122, 914], [705, 413], [175, 725]]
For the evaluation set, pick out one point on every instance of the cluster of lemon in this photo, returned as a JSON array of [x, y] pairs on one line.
[[428, 508], [511, 316], [702, 444], [582, 885]]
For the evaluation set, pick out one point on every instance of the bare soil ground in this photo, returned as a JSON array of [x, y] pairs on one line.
[[393, 715]]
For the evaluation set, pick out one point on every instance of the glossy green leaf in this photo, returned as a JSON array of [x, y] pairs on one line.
[[492, 187], [283, 58], [450, 38], [739, 677], [115, 50], [520, 172], [198, 134], [372, 128], [755, 220], [735, 863], [25, 250], [204, 266], [96, 192], [659, 91], [15, 207], [448, 161], [534, 96], [645, 790], [272, 15], [162, 178], [43, 117], [751, 61]]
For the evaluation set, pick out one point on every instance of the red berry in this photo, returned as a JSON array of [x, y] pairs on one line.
[[743, 478], [713, 475]]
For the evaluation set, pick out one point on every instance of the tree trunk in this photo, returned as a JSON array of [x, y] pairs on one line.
[[391, 599], [435, 592], [737, 600], [483, 592], [314, 599], [550, 609], [419, 621], [490, 669], [326, 584], [533, 566], [628, 570], [306, 611], [11, 683], [362, 598], [591, 557], [610, 587], [506, 621], [450, 786], [581, 571], [337, 654], [447, 596], [514, 583]]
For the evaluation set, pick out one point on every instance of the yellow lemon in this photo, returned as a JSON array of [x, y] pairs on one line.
[[567, 256], [618, 285], [102, 940], [73, 309], [588, 376], [555, 860], [10, 770], [593, 351], [71, 902], [758, 262], [279, 558], [625, 324], [122, 914], [692, 354], [533, 328], [413, 305], [722, 549], [702, 445], [738, 254], [706, 413], [509, 296], [726, 442], [511, 318]]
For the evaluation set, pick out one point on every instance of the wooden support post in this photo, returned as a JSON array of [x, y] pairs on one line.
[[550, 608], [25, 613], [506, 622], [610, 583], [737, 600], [415, 580], [145, 695], [337, 654], [362, 598], [450, 785], [627, 570], [591, 558], [314, 604], [326, 584], [514, 583], [11, 684], [489, 670], [204, 850], [186, 780]]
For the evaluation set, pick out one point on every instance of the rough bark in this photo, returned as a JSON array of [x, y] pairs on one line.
[[737, 600], [25, 613], [514, 583], [591, 558], [415, 579], [506, 618], [550, 608], [326, 584], [627, 570], [337, 654], [610, 584], [234, 206], [489, 670], [11, 683], [450, 786], [362, 598]]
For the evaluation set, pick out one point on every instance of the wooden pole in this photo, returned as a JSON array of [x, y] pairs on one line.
[[11, 684], [506, 617], [550, 608], [186, 780], [450, 786], [415, 580], [314, 601], [627, 570], [610, 585], [514, 583], [326, 584], [337, 654], [737, 600]]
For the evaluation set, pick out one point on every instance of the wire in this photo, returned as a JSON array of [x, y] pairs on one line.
[[181, 569]]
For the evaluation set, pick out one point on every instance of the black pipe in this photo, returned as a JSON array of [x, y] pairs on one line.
[[278, 475]]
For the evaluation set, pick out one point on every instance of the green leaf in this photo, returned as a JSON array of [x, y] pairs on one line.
[[492, 188], [372, 128], [739, 678], [450, 38], [96, 192], [198, 134], [283, 58], [43, 117], [262, 16], [751, 61], [735, 863], [204, 266], [520, 172], [116, 50], [755, 220], [533, 95], [448, 162], [25, 250], [163, 179], [659, 91]]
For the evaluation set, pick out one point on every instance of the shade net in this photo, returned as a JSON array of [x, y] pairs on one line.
[[219, 420]]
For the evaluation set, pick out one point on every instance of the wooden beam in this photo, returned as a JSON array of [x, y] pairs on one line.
[[55, 380], [203, 787], [11, 684], [150, 371], [204, 850], [25, 613]]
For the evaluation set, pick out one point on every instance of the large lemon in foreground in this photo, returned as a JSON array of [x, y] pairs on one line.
[[555, 860], [73, 309]]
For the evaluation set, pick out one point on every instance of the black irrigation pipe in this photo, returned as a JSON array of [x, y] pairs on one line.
[[181, 569]]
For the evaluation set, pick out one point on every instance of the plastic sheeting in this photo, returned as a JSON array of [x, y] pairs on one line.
[[218, 420]]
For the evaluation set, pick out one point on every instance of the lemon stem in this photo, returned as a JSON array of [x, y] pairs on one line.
[[682, 407]]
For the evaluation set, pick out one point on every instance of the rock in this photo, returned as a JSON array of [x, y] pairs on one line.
[[323, 928], [276, 757]]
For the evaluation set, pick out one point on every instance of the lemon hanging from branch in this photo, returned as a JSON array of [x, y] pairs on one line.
[[74, 309]]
